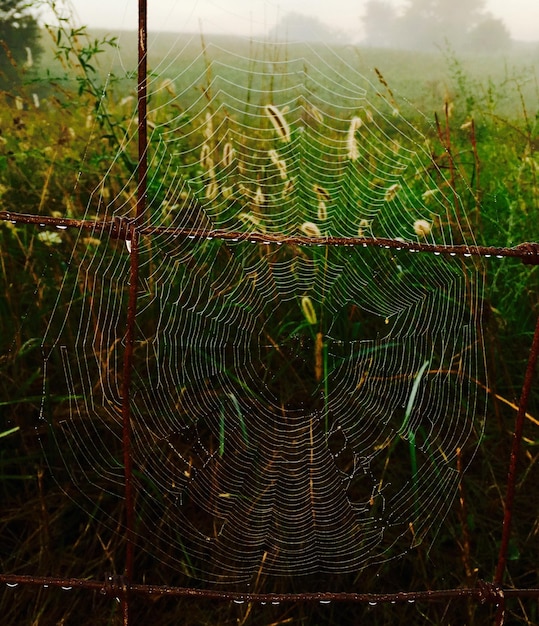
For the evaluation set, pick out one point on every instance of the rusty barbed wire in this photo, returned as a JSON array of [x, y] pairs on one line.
[[122, 228]]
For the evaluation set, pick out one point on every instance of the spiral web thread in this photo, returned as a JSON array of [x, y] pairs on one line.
[[275, 384]]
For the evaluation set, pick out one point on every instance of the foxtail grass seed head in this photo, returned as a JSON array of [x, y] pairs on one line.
[[35, 99], [279, 122], [308, 310], [205, 158], [259, 197], [29, 58], [287, 188], [321, 193], [315, 113], [351, 141], [228, 154], [322, 211], [168, 85], [279, 163], [212, 190], [391, 192], [126, 100], [208, 129], [244, 190], [310, 229], [422, 228], [91, 242], [429, 193], [364, 228], [250, 219]]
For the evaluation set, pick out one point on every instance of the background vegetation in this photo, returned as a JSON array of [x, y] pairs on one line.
[[58, 130]]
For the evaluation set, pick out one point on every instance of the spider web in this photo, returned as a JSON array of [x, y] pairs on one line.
[[296, 408]]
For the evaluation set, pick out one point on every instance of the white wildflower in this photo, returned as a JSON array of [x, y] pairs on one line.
[[422, 228], [391, 192], [50, 238]]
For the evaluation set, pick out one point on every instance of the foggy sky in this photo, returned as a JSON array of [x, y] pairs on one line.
[[254, 17]]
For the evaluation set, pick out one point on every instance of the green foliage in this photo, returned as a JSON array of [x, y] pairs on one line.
[[20, 47]]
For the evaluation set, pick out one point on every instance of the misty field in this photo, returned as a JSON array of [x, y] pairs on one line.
[[68, 149]]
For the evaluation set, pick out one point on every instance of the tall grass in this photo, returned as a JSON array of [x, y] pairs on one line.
[[54, 160]]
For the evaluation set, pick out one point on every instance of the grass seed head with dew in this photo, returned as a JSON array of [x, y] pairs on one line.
[[322, 193], [352, 148], [429, 193], [228, 154], [212, 190], [205, 157], [308, 310], [310, 229], [287, 188], [208, 129], [251, 220], [364, 228], [259, 198], [279, 163], [279, 122]]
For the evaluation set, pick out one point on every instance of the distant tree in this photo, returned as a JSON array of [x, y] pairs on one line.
[[425, 24], [19, 41], [298, 27], [379, 23], [490, 35]]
